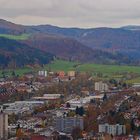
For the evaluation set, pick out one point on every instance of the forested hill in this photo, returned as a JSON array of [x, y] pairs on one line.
[[19, 54], [98, 45]]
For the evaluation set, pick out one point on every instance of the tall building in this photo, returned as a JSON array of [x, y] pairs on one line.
[[3, 126], [66, 124], [100, 86], [116, 129]]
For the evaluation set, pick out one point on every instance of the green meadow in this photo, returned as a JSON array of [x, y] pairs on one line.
[[58, 65], [107, 71], [19, 72], [15, 37]]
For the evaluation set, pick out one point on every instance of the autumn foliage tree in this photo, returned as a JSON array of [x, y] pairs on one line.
[[76, 133]]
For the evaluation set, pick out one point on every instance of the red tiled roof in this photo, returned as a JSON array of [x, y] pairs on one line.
[[39, 138]]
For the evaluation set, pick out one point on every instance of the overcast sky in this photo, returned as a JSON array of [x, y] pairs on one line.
[[72, 13]]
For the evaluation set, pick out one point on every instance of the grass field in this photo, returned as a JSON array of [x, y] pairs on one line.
[[19, 72], [93, 68], [110, 71], [60, 65], [135, 80], [15, 37]]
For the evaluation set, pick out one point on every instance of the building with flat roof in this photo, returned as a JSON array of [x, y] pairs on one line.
[[83, 101], [3, 126], [114, 130], [66, 124], [48, 97], [100, 86], [71, 73], [19, 107]]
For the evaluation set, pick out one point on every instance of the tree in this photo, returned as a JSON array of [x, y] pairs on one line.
[[105, 97], [128, 128], [113, 81], [77, 110], [76, 133], [92, 101], [67, 105], [81, 111], [3, 74], [90, 122], [19, 133], [132, 125], [124, 85], [13, 73], [62, 98]]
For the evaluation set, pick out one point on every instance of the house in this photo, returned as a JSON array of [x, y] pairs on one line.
[[100, 86], [61, 74], [71, 73]]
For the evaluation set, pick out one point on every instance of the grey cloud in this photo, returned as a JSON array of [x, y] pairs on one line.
[[82, 13]]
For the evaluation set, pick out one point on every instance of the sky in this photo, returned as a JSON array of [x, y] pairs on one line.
[[72, 13]]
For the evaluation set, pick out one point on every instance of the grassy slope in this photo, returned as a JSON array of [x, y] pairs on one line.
[[19, 72], [16, 37], [106, 69], [112, 71], [60, 65]]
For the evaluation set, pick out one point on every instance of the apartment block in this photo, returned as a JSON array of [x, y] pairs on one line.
[[66, 124], [114, 130]]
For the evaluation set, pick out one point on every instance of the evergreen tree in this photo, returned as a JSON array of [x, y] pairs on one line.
[[105, 97], [13, 73], [77, 110], [81, 111]]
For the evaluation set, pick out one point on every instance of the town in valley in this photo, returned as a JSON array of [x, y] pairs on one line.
[[68, 105]]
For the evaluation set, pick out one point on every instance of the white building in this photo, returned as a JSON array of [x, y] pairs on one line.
[[48, 97], [66, 124], [136, 85], [42, 73], [3, 125], [21, 107], [71, 73], [116, 129], [100, 86], [83, 101]]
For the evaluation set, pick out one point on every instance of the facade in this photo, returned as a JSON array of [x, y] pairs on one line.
[[114, 130], [42, 73], [19, 107], [3, 126], [100, 86], [136, 85], [48, 97], [66, 124], [61, 74], [71, 73]]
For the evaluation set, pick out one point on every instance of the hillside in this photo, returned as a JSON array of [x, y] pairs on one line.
[[125, 40], [61, 65], [19, 54], [98, 45], [70, 49]]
